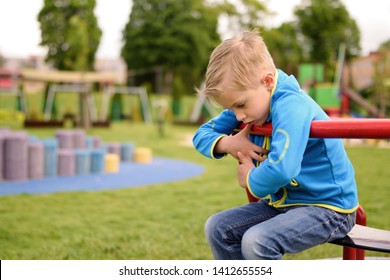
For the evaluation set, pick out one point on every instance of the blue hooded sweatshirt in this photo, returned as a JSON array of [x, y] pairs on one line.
[[298, 170]]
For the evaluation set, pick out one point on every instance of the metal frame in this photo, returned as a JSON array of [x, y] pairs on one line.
[[140, 91], [359, 128], [74, 88]]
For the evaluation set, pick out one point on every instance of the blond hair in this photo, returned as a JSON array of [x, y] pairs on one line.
[[237, 63]]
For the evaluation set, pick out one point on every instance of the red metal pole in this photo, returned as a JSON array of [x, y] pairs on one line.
[[361, 219], [349, 253], [362, 128]]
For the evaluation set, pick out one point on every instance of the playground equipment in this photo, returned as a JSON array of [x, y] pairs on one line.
[[137, 91], [334, 97], [74, 88], [339, 128], [200, 105], [327, 95], [361, 237], [71, 152], [77, 82], [112, 163], [143, 155], [9, 86]]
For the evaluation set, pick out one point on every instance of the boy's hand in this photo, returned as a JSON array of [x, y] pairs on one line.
[[240, 143], [245, 165]]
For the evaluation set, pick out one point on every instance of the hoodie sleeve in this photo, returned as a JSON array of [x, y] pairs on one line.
[[207, 135], [291, 120]]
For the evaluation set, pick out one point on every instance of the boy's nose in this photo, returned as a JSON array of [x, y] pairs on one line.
[[240, 117]]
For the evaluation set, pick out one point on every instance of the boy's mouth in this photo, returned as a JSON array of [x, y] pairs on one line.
[[258, 122]]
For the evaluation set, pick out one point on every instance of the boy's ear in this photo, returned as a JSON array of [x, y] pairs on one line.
[[269, 80]]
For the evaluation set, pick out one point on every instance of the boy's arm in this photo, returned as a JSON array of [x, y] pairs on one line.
[[208, 135], [291, 127], [240, 143], [214, 140]]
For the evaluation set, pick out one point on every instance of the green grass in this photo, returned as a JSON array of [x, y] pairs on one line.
[[162, 221]]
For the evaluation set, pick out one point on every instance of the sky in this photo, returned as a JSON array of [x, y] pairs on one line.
[[20, 31]]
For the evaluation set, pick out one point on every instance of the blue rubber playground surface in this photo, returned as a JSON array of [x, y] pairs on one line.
[[131, 174]]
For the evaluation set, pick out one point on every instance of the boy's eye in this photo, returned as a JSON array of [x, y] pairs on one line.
[[241, 105]]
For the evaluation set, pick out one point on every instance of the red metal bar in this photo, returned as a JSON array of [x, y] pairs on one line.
[[362, 128]]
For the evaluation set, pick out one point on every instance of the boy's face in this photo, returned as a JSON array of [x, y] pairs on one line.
[[251, 105]]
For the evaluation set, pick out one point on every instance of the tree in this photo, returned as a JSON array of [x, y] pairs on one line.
[[285, 46], [174, 35], [385, 46], [179, 34], [70, 31], [241, 15], [326, 25], [2, 60]]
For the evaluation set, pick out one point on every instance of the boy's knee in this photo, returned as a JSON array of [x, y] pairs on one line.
[[216, 228], [250, 245], [207, 226], [211, 225], [255, 246]]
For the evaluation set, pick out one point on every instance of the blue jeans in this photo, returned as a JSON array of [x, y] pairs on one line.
[[260, 231]]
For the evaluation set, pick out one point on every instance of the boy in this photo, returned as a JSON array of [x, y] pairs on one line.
[[307, 187]]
